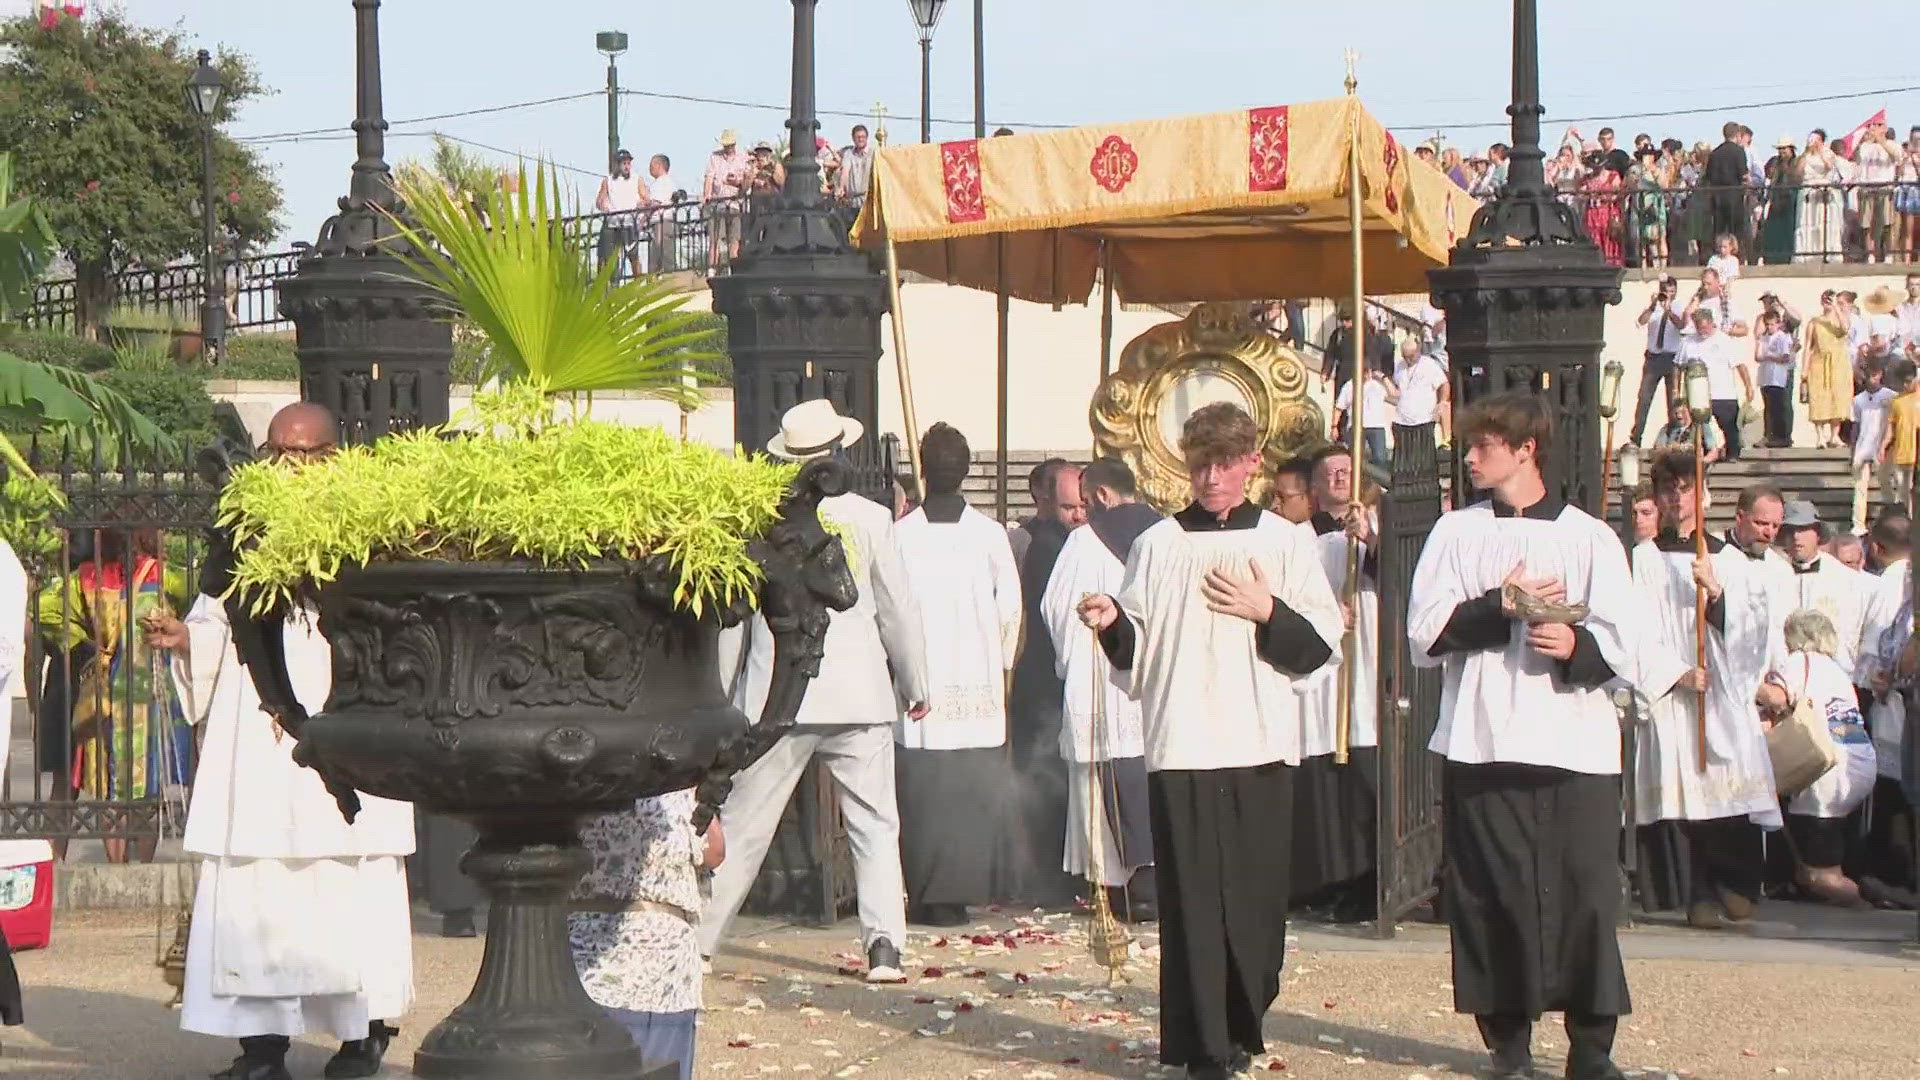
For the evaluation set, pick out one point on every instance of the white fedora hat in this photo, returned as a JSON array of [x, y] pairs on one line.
[[812, 429]]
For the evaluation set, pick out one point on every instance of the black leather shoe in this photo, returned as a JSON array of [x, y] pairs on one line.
[[1593, 1069], [458, 924], [262, 1057], [361, 1057]]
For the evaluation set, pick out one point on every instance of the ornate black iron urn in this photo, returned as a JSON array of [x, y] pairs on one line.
[[526, 699], [803, 307], [369, 345], [1526, 294]]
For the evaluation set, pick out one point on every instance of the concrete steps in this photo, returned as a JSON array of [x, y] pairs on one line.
[[979, 487], [1822, 477]]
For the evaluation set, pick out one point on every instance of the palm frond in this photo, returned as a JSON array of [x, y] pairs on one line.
[[550, 317]]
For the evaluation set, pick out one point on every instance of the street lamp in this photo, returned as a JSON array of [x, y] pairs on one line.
[[926, 16], [612, 43], [204, 91]]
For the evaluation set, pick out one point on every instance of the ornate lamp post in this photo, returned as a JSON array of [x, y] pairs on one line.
[[369, 344], [612, 43], [204, 91], [926, 16], [1525, 296], [802, 307]]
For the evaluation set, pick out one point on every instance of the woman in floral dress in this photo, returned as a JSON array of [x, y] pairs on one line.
[[131, 739], [633, 920], [1823, 204], [1649, 182]]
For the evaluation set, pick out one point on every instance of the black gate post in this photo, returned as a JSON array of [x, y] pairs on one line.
[[1407, 816]]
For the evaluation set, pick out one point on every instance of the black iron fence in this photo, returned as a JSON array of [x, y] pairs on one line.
[[106, 749], [1779, 224], [679, 237]]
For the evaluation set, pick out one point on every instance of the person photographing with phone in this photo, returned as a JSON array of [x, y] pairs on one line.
[[1664, 327]]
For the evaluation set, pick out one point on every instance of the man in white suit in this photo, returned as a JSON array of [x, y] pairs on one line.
[[846, 718]]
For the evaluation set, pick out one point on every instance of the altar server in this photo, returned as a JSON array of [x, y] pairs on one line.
[[1222, 609], [1721, 803], [1824, 584], [1530, 788], [874, 659], [301, 921], [1110, 746], [956, 782], [1333, 821]]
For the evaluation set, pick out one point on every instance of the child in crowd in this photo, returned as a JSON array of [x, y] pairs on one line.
[[1773, 354]]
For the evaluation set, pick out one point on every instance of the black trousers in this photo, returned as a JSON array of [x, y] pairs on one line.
[[1778, 403], [1730, 216], [1724, 853], [1726, 413], [1656, 375], [1532, 890]]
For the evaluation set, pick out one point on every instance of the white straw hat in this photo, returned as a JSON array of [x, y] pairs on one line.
[[812, 429]]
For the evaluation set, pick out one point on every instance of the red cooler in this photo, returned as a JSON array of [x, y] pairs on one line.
[[26, 893]]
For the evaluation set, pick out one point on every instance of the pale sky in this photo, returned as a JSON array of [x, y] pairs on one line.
[[1423, 64]]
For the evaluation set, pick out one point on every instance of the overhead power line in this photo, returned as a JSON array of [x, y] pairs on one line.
[[1673, 112], [335, 129]]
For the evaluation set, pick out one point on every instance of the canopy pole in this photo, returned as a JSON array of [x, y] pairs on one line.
[[1106, 319], [905, 375], [1349, 642], [1001, 308]]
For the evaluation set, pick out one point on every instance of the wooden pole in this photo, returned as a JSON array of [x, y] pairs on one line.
[[912, 441], [1000, 313], [1700, 591], [1349, 642]]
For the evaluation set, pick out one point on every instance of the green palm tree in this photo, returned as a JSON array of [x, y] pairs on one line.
[[550, 318]]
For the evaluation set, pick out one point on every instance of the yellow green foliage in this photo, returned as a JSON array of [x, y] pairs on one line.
[[520, 486]]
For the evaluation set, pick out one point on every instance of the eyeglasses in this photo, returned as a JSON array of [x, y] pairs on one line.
[[296, 453]]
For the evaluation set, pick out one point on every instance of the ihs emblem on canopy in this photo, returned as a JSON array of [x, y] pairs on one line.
[[1114, 163]]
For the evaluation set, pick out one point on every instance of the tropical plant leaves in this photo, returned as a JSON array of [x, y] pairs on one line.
[[519, 485], [548, 315]]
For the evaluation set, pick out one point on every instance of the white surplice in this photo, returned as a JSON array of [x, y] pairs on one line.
[[964, 578], [1320, 694], [1511, 704], [1208, 699], [1086, 565], [1842, 594], [1737, 780], [301, 922]]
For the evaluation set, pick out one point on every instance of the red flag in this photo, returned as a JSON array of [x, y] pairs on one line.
[[1844, 145]]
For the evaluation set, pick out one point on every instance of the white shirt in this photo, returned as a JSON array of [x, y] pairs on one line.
[[1776, 359], [1869, 422], [623, 193], [1420, 385], [1721, 354], [1374, 404], [1663, 336], [1906, 322], [1727, 266], [661, 188], [1506, 702], [968, 589], [1843, 595], [1873, 163], [1208, 700]]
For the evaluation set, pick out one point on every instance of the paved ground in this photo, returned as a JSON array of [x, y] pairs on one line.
[[1804, 993]]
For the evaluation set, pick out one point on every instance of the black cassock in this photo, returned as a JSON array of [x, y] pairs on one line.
[[1037, 822], [1222, 859], [1531, 884], [10, 1011]]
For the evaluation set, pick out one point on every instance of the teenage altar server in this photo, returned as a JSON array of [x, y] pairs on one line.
[[301, 921], [872, 664], [956, 781], [1525, 604], [1110, 746], [1721, 803], [1222, 609], [1333, 821]]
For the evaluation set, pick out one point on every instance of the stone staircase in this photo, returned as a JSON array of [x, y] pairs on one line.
[[1820, 476], [979, 485]]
